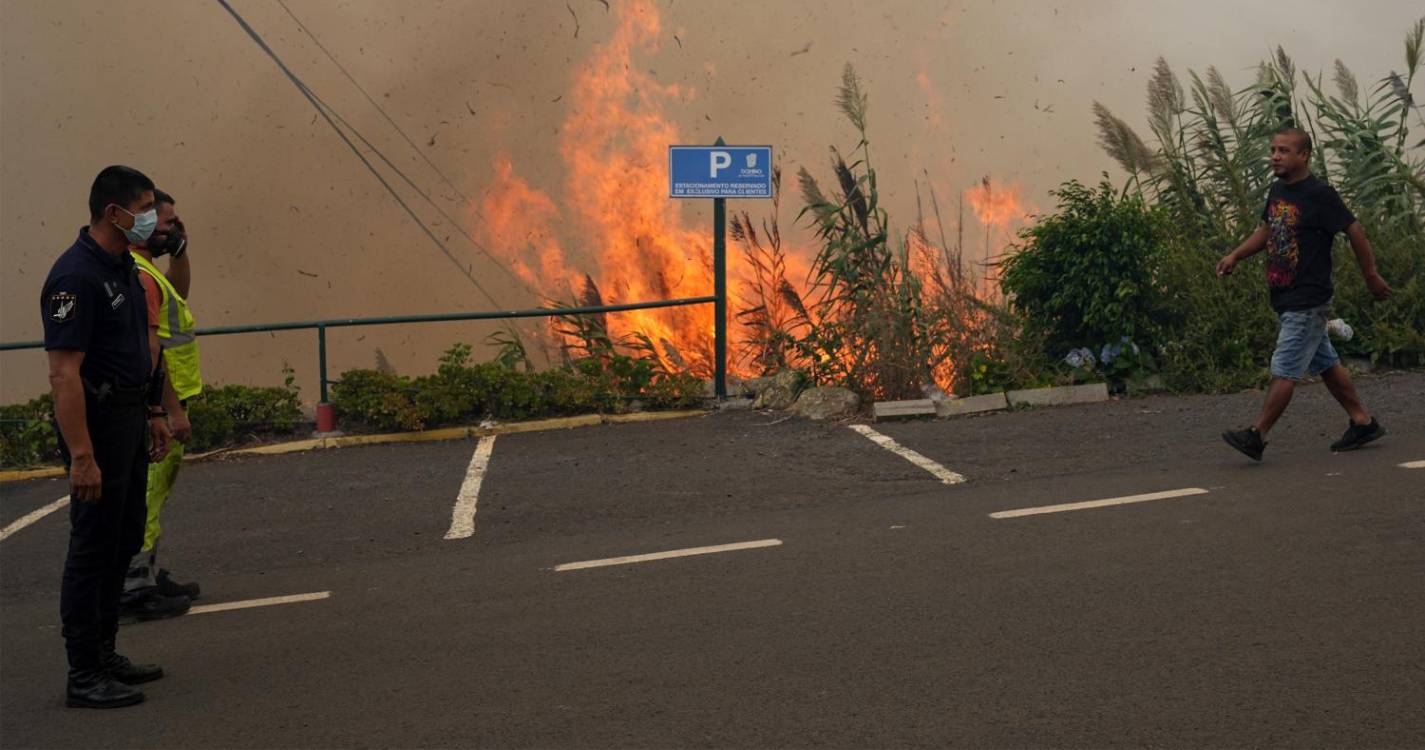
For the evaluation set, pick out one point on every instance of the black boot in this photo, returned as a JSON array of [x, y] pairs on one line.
[[94, 688], [120, 668], [148, 604], [169, 587]]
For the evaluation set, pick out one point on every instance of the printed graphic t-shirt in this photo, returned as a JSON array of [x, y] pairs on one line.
[[1302, 220]]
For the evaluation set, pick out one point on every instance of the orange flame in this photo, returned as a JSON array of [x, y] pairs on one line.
[[612, 217], [614, 146], [1001, 210], [518, 217], [1000, 206]]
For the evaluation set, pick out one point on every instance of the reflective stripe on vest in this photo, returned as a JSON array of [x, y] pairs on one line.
[[175, 334]]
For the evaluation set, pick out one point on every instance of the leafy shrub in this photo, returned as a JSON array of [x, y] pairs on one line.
[[1205, 169], [461, 393], [239, 413], [1090, 273], [27, 433], [679, 391], [377, 401], [1219, 332], [221, 416], [1390, 332]]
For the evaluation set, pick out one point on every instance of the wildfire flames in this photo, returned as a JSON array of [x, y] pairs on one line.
[[614, 145], [1001, 210], [998, 207], [611, 234]]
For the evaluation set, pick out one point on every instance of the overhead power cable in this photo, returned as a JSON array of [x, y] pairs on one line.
[[322, 110], [424, 157]]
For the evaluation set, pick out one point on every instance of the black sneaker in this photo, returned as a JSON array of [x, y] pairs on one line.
[[1358, 435], [169, 587], [1249, 441], [147, 604]]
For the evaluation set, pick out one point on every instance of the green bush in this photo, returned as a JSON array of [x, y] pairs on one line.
[[1089, 274], [1203, 167], [1390, 332], [680, 391], [1219, 333], [221, 416], [462, 393], [568, 392], [378, 401], [231, 414], [27, 434]]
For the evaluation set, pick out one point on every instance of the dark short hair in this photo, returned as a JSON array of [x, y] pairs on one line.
[[161, 197], [1303, 138], [118, 185]]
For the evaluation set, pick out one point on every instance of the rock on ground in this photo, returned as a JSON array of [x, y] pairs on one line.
[[827, 403], [781, 392]]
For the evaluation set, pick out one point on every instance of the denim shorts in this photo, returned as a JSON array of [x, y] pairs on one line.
[[1303, 348]]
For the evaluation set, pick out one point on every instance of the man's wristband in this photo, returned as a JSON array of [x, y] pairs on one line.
[[154, 398], [157, 414]]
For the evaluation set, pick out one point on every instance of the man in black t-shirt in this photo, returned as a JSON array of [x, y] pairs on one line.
[[1302, 217]]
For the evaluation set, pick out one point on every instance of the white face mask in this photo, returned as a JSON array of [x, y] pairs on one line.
[[144, 224]]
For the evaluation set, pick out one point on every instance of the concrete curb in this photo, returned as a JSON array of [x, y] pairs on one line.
[[882, 411], [424, 436], [1060, 396], [959, 407], [23, 474]]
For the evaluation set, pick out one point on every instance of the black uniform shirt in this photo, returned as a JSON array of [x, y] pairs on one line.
[[93, 302]]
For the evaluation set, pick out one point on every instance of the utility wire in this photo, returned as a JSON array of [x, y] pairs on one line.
[[411, 183], [392, 122], [311, 98], [417, 188]]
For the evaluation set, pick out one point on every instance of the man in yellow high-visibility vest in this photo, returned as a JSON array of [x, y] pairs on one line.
[[149, 591]]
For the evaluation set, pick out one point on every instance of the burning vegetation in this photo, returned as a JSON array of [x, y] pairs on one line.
[[885, 313], [900, 311]]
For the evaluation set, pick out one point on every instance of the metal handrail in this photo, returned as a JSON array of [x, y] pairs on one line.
[[321, 326]]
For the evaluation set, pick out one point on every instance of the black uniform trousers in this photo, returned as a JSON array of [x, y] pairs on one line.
[[104, 535]]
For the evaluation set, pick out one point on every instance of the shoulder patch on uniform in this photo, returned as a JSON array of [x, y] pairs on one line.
[[61, 307]]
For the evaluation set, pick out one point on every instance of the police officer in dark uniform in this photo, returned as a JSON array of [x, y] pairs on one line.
[[107, 407]]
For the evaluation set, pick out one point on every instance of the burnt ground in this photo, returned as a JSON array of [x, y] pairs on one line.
[[1279, 608]]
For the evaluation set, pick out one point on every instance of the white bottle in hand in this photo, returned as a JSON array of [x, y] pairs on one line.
[[1338, 329]]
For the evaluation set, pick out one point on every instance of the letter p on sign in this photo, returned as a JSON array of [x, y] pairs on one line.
[[720, 160]]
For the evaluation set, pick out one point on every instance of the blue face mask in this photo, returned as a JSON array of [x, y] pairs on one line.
[[144, 224]]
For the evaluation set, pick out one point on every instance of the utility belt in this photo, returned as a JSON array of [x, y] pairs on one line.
[[109, 396]]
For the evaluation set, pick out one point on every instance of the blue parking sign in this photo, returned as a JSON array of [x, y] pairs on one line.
[[720, 171]]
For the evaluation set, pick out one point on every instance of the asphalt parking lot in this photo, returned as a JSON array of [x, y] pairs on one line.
[[1105, 575]]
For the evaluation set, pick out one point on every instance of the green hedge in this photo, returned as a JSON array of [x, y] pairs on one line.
[[27, 435], [462, 393], [234, 414], [374, 401], [1103, 275], [222, 416]]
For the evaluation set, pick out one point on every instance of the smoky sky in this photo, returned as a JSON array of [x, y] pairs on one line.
[[286, 224]]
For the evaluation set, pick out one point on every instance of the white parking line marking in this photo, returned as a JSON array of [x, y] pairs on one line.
[[1099, 503], [462, 516], [691, 551], [939, 472], [1413, 465], [268, 602], [32, 516]]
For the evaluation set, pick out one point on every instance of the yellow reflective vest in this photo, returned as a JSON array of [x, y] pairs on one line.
[[175, 334]]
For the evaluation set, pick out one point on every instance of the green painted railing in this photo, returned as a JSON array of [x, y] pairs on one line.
[[321, 326]]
